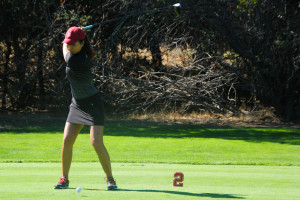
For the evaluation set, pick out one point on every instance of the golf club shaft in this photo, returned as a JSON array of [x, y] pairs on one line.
[[104, 22], [126, 16]]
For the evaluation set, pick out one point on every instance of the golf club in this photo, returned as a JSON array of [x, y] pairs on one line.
[[177, 8]]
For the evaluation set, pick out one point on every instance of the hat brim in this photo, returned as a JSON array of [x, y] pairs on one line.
[[69, 41]]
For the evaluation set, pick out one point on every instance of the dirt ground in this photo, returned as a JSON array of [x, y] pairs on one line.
[[14, 119]]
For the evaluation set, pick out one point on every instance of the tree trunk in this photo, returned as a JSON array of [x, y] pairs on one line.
[[41, 82], [4, 77], [156, 54]]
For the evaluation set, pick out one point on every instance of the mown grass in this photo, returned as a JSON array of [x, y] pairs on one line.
[[218, 163], [184, 144], [151, 181]]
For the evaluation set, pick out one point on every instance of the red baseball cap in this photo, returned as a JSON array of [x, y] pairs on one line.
[[73, 35]]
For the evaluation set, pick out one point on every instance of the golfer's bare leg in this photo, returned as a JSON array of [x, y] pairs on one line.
[[96, 136], [70, 134]]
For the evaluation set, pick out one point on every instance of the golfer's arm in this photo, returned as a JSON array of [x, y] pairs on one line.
[[65, 50]]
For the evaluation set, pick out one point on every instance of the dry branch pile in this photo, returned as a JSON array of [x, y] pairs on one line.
[[193, 87]]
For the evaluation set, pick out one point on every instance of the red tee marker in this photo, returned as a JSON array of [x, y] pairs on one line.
[[178, 179]]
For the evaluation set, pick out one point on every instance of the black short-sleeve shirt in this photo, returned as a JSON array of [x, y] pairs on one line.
[[79, 74]]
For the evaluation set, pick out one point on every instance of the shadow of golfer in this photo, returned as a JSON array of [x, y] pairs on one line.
[[211, 195]]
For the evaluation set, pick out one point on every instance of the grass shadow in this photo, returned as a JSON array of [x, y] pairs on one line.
[[276, 135], [33, 129]]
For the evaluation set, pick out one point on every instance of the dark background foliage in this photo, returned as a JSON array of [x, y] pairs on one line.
[[241, 54]]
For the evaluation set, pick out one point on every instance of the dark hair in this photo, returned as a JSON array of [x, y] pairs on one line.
[[88, 48]]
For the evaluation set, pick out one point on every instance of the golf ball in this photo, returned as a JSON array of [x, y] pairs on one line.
[[78, 189]]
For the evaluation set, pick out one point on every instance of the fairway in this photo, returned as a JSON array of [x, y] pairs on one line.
[[151, 181], [218, 163], [171, 144]]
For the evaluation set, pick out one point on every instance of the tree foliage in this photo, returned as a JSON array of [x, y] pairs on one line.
[[235, 53]]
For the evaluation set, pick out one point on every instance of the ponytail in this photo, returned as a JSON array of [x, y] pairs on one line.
[[88, 48]]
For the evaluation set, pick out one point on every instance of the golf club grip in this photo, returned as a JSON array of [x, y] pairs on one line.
[[87, 27]]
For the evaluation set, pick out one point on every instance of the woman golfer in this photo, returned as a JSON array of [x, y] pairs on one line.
[[86, 107]]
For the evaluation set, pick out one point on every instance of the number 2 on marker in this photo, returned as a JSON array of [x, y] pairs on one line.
[[178, 179]]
